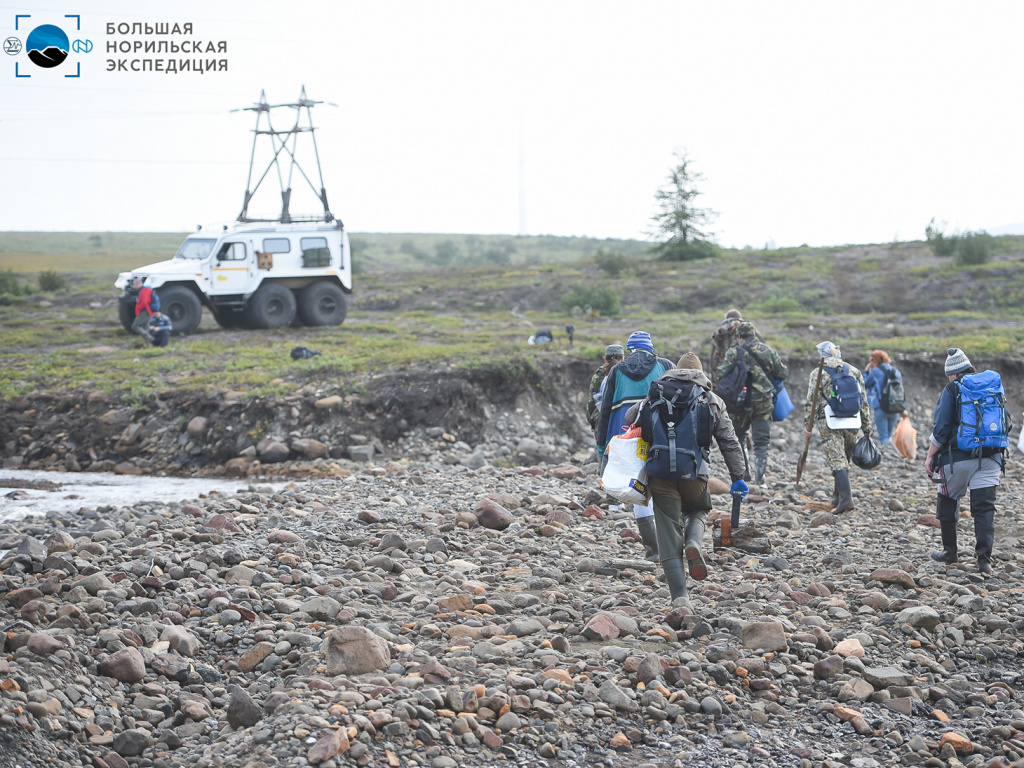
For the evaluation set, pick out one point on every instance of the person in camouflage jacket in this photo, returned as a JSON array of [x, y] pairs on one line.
[[613, 354], [766, 368], [722, 340], [838, 444]]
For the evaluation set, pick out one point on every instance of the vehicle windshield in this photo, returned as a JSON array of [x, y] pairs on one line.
[[196, 248]]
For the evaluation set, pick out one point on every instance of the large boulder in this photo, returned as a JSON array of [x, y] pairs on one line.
[[355, 651]]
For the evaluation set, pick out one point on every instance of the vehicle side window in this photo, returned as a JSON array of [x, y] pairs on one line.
[[276, 245], [231, 252], [315, 252]]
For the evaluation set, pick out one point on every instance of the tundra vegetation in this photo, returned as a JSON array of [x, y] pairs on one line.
[[58, 307]]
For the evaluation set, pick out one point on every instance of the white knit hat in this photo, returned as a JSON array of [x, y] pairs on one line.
[[956, 361]]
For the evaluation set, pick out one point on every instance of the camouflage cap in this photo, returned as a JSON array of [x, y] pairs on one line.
[[746, 329]]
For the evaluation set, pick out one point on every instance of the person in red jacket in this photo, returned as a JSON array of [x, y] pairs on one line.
[[143, 310]]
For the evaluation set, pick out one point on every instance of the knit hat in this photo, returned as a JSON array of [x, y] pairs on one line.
[[733, 314], [956, 361], [640, 340], [690, 361], [614, 350], [746, 329], [828, 349]]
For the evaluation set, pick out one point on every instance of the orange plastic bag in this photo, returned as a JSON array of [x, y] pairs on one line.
[[905, 439]]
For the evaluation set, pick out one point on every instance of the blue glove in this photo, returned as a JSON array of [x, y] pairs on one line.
[[739, 488]]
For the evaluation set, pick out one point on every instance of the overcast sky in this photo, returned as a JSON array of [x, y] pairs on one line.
[[818, 123]]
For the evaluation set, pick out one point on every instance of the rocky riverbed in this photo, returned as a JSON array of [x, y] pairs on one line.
[[434, 609]]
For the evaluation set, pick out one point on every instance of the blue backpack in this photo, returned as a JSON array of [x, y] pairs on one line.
[[845, 396], [982, 419], [154, 302]]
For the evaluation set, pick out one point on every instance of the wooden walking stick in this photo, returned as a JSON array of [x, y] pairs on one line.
[[810, 427]]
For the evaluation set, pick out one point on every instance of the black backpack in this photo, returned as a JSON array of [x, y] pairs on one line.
[[734, 386], [845, 396], [892, 398], [676, 423]]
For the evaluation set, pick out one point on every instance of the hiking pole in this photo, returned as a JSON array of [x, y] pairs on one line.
[[810, 426], [734, 521]]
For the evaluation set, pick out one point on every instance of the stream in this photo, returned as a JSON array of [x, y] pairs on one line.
[[25, 493]]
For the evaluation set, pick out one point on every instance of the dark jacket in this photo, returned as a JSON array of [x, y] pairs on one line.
[[627, 383], [725, 434], [944, 428]]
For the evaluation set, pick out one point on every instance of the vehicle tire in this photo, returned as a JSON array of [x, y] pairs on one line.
[[182, 306], [272, 306], [322, 303], [126, 312], [229, 317]]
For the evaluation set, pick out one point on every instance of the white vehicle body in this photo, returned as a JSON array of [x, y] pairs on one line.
[[254, 274]]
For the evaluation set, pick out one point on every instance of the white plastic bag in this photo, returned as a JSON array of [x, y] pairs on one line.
[[625, 475]]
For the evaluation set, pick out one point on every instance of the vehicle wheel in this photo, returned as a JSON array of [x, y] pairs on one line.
[[182, 306], [272, 306], [126, 313], [229, 317], [322, 303]]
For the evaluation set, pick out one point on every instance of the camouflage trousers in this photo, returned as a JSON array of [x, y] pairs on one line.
[[838, 445]]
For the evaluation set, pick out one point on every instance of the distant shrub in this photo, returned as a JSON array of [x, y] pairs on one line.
[[9, 285], [973, 248], [52, 281], [696, 249], [600, 299], [942, 245], [611, 262], [780, 304]]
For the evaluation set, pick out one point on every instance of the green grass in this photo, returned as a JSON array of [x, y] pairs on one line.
[[897, 296]]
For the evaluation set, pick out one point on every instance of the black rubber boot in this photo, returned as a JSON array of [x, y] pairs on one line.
[[845, 502], [649, 537], [983, 510], [945, 510], [835, 493], [694, 532], [675, 575]]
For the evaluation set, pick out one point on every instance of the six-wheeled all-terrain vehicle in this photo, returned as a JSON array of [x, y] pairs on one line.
[[257, 273], [250, 275]]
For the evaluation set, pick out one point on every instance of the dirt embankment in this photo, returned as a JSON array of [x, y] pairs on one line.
[[182, 432], [302, 432]]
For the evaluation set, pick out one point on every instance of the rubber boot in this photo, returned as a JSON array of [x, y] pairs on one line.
[[835, 493], [845, 504], [983, 510], [760, 465], [694, 531], [649, 537], [675, 575], [945, 510]]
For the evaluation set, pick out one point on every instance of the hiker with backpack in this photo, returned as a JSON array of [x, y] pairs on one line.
[[678, 418], [627, 384], [722, 340], [613, 354], [747, 379], [970, 434], [840, 413], [886, 396], [146, 303]]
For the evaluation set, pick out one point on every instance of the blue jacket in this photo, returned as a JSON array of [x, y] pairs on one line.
[[627, 383], [944, 428], [873, 381]]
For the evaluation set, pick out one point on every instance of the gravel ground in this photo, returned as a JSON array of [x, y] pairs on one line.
[[436, 610]]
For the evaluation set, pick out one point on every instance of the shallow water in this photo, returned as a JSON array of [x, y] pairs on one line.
[[93, 489]]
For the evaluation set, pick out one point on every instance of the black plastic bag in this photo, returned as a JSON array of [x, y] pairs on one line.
[[866, 454], [304, 353]]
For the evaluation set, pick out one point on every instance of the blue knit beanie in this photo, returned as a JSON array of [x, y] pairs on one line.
[[640, 340]]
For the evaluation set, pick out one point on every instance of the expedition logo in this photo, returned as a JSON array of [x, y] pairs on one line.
[[46, 46]]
